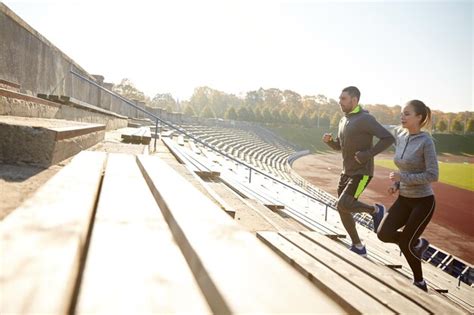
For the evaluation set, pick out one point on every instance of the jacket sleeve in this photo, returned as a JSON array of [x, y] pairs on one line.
[[431, 172], [386, 139]]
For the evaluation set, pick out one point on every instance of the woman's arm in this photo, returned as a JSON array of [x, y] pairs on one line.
[[431, 172]]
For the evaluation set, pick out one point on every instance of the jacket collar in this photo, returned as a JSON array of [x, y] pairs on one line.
[[356, 110]]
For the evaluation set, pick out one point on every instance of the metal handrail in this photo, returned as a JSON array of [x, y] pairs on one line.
[[180, 130]]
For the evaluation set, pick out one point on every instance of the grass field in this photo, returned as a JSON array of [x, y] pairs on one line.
[[456, 174]]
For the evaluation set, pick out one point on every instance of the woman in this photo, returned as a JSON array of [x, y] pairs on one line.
[[415, 157]]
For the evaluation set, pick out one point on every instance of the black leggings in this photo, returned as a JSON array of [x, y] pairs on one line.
[[414, 214]]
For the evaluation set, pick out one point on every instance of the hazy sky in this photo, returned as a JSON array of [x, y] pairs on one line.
[[393, 51]]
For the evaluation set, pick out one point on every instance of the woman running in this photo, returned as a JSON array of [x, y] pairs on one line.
[[415, 157]]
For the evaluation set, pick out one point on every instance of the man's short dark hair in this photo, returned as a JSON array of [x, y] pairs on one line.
[[352, 91]]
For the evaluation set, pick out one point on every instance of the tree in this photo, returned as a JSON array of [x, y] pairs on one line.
[[254, 98], [163, 100], [283, 115], [292, 118], [309, 103], [207, 112], [273, 98], [231, 114], [470, 126], [335, 120], [243, 113], [314, 119], [324, 120], [200, 98], [304, 118], [267, 115], [292, 99], [127, 89], [442, 126], [258, 114], [276, 115], [457, 126], [189, 110], [252, 116]]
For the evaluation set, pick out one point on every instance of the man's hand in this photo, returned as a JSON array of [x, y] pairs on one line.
[[394, 176], [327, 137], [362, 156]]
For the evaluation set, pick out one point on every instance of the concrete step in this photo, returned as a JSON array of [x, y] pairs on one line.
[[18, 104], [44, 142]]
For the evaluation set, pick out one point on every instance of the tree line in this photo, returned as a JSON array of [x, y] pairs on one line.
[[275, 106]]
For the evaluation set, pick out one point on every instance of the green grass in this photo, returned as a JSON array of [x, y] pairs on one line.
[[456, 174], [454, 144]]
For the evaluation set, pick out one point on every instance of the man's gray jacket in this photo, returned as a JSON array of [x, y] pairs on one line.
[[355, 136]]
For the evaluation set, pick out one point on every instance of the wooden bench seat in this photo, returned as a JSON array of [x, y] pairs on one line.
[[140, 135], [133, 264], [43, 241]]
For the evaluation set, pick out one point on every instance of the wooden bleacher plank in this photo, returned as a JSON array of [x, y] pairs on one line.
[[352, 298], [279, 222], [235, 272], [133, 264], [372, 287], [244, 215], [432, 301], [42, 241], [199, 166]]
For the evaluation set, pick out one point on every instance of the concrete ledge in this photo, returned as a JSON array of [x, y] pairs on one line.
[[44, 142], [18, 104], [62, 99], [9, 85], [140, 122]]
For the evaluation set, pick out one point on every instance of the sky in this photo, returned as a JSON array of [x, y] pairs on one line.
[[392, 51]]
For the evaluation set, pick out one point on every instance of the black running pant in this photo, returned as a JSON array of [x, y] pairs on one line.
[[348, 191], [413, 214]]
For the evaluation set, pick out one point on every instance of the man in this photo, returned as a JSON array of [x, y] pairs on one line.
[[354, 139]]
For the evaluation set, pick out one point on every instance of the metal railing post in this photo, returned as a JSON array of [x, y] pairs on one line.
[[156, 132]]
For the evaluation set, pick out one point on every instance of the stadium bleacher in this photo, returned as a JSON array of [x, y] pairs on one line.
[[208, 218]]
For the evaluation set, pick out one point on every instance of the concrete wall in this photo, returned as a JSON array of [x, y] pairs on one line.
[[30, 60]]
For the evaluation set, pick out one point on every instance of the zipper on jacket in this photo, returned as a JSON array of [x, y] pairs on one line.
[[406, 145]]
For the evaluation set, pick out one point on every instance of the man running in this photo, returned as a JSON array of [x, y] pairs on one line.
[[354, 138]]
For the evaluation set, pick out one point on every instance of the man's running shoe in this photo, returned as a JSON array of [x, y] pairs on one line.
[[362, 252]]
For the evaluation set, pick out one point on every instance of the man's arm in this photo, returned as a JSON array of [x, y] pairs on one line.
[[334, 144], [386, 139]]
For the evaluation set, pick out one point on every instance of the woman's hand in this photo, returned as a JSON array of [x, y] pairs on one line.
[[392, 189], [394, 176]]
